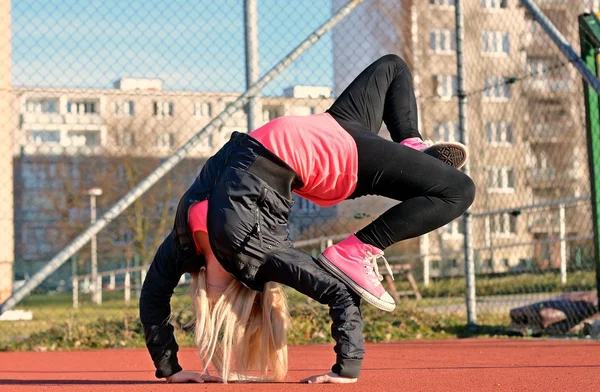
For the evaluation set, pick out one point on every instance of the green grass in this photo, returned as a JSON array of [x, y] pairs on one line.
[[57, 326], [506, 285]]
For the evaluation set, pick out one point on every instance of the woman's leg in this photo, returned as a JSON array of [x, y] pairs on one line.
[[432, 193], [383, 92]]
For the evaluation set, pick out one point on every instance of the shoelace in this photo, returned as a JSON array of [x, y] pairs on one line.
[[375, 267]]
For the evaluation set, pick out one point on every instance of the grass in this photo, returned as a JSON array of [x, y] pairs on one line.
[[56, 325], [506, 285]]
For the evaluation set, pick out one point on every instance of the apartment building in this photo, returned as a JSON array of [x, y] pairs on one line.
[[6, 190], [70, 140], [524, 120]]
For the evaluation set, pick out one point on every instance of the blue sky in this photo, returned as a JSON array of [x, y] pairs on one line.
[[191, 45]]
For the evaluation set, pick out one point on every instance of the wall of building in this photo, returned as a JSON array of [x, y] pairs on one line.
[[6, 169]]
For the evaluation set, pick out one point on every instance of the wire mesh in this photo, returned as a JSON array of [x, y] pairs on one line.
[[102, 93]]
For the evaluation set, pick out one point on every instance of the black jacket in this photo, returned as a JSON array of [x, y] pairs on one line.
[[249, 189]]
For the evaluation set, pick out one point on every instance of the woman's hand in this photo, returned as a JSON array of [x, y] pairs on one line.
[[329, 378], [185, 376]]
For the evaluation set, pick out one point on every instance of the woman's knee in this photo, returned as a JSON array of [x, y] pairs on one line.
[[393, 60], [464, 191]]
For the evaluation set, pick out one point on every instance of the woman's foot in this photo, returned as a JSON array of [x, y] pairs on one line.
[[355, 264], [451, 153]]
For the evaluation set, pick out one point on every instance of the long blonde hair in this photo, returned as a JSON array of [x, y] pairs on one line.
[[244, 327]]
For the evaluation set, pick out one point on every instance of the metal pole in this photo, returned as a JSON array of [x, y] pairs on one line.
[[93, 247], [174, 159], [98, 289], [562, 44], [75, 292], [424, 251], [127, 287], [251, 37], [563, 244], [464, 135]]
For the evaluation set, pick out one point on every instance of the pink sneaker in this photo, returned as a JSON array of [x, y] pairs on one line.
[[355, 263], [451, 153]]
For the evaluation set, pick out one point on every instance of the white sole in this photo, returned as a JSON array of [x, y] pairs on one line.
[[364, 294]]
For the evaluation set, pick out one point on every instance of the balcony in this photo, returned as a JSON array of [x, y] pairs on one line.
[[547, 88], [550, 177], [83, 119], [549, 132], [56, 142], [41, 118]]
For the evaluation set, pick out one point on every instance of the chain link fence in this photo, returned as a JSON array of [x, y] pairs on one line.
[[103, 93]]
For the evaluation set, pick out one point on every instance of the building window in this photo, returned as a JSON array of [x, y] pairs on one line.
[[84, 138], [442, 41], [304, 110], [505, 263], [41, 106], [496, 88], [435, 264], [504, 224], [124, 108], [495, 42], [446, 131], [126, 139], [202, 109], [499, 133], [494, 4], [501, 179], [271, 113], [446, 3], [82, 107], [44, 137], [455, 228], [445, 86], [164, 140], [163, 109], [488, 263]]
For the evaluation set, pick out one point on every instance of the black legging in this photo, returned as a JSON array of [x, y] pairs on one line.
[[432, 193]]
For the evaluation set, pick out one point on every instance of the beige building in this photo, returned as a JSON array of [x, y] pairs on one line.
[[6, 169], [524, 119], [68, 140]]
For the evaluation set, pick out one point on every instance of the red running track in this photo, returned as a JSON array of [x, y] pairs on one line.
[[449, 365]]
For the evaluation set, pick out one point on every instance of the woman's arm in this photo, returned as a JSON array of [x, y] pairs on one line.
[[300, 271], [155, 308]]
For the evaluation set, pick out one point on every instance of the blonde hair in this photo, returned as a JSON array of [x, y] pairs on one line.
[[243, 327]]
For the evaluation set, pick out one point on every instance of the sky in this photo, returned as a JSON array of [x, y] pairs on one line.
[[190, 44]]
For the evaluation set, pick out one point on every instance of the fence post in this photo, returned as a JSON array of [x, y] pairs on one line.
[[464, 135], [563, 244], [111, 282], [75, 292], [426, 259], [127, 287], [251, 40], [98, 290], [86, 284]]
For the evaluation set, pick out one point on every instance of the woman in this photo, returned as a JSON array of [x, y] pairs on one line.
[[231, 234]]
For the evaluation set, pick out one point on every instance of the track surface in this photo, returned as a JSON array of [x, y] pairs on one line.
[[449, 365]]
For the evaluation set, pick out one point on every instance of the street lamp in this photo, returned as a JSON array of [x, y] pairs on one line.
[[94, 192]]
